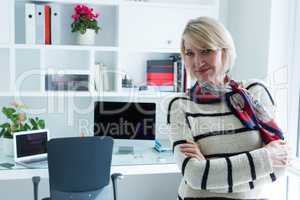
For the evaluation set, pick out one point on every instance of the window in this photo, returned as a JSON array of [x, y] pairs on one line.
[[293, 183]]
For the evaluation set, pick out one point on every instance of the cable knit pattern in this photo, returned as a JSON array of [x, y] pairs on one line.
[[236, 165]]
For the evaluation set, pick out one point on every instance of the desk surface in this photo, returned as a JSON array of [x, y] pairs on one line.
[[147, 161], [140, 162]]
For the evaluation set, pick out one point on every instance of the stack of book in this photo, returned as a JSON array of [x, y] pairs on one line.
[[42, 23], [160, 75], [166, 75], [179, 74]]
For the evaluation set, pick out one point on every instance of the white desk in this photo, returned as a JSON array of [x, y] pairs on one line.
[[146, 162], [142, 171]]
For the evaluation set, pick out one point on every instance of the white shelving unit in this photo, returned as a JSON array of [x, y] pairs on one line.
[[132, 33]]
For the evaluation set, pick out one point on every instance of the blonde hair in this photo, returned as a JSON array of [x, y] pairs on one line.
[[208, 33]]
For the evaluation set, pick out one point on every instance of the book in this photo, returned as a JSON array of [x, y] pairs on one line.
[[47, 11], [56, 10], [178, 73], [40, 23], [30, 23]]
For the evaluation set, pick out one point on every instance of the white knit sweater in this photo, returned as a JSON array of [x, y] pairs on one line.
[[236, 165]]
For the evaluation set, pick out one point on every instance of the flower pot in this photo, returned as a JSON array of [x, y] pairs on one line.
[[8, 147], [88, 38]]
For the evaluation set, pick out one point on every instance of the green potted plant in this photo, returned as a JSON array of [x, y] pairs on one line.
[[17, 121], [85, 24]]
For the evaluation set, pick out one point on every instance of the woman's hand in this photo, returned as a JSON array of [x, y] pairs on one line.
[[280, 153], [191, 149]]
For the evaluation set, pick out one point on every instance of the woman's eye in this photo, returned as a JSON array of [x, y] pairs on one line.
[[205, 51], [189, 53]]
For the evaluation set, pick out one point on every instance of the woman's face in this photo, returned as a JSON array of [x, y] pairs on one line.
[[204, 64]]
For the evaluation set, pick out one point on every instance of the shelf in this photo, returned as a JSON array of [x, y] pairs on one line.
[[66, 47], [145, 50], [94, 48], [98, 2], [124, 45], [47, 94], [136, 94], [139, 94]]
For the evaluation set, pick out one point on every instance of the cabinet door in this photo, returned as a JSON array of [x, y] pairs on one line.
[[156, 27], [5, 19]]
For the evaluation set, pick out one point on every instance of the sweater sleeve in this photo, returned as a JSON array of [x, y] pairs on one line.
[[260, 182], [215, 174]]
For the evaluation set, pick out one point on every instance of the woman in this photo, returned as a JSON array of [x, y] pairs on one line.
[[225, 140]]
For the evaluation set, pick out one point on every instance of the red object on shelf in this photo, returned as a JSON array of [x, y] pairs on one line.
[[160, 82], [160, 76], [47, 24]]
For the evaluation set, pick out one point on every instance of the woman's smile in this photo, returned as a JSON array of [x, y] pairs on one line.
[[202, 69]]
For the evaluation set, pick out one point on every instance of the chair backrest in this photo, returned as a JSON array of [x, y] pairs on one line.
[[79, 168]]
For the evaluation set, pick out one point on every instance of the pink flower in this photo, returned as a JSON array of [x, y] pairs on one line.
[[82, 10], [78, 9], [75, 17], [86, 10]]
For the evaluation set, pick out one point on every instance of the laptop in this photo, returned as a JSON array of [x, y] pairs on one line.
[[30, 148]]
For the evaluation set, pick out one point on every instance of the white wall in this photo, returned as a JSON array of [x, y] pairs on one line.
[[223, 12], [249, 24]]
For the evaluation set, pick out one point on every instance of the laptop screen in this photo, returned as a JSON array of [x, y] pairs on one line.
[[31, 144]]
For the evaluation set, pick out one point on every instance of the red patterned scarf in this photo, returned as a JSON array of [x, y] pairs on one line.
[[251, 114]]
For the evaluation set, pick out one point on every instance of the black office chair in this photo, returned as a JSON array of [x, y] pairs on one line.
[[79, 168]]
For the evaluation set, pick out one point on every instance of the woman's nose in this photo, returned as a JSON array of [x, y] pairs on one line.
[[198, 60]]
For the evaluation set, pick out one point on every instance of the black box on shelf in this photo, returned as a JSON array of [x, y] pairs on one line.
[[67, 82]]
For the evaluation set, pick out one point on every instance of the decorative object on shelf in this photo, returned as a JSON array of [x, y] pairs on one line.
[[85, 24], [18, 122], [143, 87], [128, 85], [67, 82], [126, 82], [101, 77]]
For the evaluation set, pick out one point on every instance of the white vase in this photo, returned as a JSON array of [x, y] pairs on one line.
[[88, 38], [8, 147], [102, 77]]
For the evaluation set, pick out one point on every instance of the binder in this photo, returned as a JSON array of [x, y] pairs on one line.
[[55, 24], [47, 11], [40, 23], [30, 23]]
